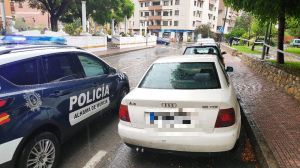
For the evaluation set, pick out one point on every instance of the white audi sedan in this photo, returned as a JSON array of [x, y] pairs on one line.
[[183, 103]]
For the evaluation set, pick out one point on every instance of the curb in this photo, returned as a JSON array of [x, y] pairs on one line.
[[263, 153], [121, 52]]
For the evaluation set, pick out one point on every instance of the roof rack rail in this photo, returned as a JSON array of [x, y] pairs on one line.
[[6, 51]]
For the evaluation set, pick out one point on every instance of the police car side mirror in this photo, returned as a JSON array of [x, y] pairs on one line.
[[112, 70], [229, 69], [223, 53]]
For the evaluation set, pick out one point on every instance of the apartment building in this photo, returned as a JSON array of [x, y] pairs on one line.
[[174, 19], [230, 18]]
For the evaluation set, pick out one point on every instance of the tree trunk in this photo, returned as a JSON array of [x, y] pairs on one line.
[[54, 21], [281, 28]]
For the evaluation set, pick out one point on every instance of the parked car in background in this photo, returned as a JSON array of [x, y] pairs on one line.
[[183, 103], [162, 41], [47, 93], [295, 43], [204, 49]]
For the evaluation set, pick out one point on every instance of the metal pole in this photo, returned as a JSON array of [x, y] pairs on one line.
[[3, 15], [83, 4], [269, 40], [265, 41]]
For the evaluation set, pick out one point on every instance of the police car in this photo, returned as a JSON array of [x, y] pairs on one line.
[[183, 103], [46, 94]]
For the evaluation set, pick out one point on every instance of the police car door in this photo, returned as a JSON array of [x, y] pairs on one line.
[[105, 84], [64, 81]]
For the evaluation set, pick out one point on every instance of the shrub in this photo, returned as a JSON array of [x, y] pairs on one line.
[[74, 28]]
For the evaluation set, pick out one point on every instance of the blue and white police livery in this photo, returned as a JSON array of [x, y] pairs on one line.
[[46, 94]]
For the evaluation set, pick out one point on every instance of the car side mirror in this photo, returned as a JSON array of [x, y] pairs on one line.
[[112, 70], [229, 69], [223, 53]]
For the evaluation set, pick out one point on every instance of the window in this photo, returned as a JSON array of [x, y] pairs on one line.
[[21, 73], [146, 13], [166, 3], [156, 3], [165, 13], [92, 66], [141, 4], [170, 13], [159, 13], [141, 13], [147, 4], [176, 23], [201, 50], [170, 23], [187, 75], [158, 23], [194, 13], [177, 2], [165, 23], [60, 67], [194, 23], [195, 3], [176, 12]]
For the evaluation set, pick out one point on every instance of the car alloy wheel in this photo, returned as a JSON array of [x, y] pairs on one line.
[[42, 154]]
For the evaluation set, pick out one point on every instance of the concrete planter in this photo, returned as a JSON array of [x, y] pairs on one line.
[[137, 41], [90, 43]]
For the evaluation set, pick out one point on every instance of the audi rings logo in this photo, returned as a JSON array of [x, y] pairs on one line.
[[169, 105]]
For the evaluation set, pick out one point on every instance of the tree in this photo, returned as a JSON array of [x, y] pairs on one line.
[[54, 7], [244, 21], [267, 10], [102, 11], [204, 30]]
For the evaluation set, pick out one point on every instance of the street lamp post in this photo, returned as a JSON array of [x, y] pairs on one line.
[[83, 5], [3, 15]]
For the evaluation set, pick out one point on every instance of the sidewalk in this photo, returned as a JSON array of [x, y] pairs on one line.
[[275, 114], [110, 52]]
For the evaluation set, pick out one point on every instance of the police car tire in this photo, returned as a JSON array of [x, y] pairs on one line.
[[30, 144]]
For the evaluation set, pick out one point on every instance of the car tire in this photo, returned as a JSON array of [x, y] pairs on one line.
[[47, 157]]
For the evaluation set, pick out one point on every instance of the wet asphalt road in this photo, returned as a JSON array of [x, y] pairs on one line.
[[98, 145]]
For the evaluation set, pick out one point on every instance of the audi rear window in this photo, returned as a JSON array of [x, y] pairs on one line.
[[190, 75]]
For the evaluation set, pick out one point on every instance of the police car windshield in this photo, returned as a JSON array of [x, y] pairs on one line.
[[200, 50], [191, 75]]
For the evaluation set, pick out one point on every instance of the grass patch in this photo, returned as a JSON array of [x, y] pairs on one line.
[[246, 49], [293, 50], [291, 67]]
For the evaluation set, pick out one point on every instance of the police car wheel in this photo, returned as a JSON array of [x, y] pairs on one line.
[[41, 151]]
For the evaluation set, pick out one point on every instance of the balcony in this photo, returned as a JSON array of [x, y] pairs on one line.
[[154, 17], [158, 7], [153, 27]]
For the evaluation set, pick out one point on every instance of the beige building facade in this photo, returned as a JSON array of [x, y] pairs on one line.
[[174, 19]]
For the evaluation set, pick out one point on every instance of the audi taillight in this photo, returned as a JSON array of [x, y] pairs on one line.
[[123, 113], [226, 118], [3, 102]]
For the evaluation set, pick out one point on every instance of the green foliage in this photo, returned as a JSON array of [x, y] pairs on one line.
[[291, 67], [73, 29], [267, 9], [244, 21], [293, 50], [245, 49], [204, 30], [257, 28], [293, 27], [101, 11], [237, 32]]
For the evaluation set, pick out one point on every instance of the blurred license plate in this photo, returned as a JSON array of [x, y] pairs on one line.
[[170, 119]]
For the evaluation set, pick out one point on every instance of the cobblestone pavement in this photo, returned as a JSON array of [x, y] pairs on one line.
[[276, 114]]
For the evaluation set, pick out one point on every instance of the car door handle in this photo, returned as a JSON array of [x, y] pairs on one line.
[[59, 93]]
